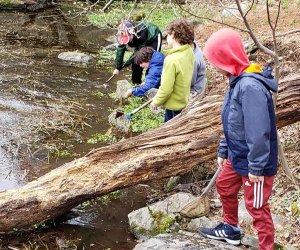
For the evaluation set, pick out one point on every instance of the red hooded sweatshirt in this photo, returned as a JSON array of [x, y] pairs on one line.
[[226, 51]]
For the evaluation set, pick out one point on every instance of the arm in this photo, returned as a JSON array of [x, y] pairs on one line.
[[222, 153], [167, 83], [257, 128], [223, 150], [152, 81], [120, 56]]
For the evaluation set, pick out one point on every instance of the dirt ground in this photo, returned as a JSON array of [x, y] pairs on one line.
[[285, 201]]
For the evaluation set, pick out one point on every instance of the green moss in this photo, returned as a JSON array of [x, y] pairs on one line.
[[162, 222]]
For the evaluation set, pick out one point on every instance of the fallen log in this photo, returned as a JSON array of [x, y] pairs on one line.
[[174, 148]]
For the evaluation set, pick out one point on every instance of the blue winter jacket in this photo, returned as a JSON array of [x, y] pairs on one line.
[[153, 74], [248, 119]]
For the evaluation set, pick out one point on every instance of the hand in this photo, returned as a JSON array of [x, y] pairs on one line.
[[128, 93], [221, 162], [255, 178], [153, 106], [116, 72]]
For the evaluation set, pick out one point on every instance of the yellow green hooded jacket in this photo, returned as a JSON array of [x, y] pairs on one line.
[[176, 78]]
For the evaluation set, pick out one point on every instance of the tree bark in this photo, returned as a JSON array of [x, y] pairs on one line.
[[173, 148]]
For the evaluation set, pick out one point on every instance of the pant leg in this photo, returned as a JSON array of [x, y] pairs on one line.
[[170, 114], [137, 73], [228, 185], [256, 197]]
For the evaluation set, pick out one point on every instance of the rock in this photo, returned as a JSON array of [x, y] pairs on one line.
[[216, 203], [122, 87], [232, 9], [249, 240], [111, 39], [195, 224], [158, 217], [75, 56], [197, 208], [183, 240], [244, 216], [111, 47]]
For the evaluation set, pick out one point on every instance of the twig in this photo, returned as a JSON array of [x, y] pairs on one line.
[[107, 5], [249, 9]]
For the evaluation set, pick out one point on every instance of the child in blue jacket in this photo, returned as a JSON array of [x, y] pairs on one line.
[[248, 155], [153, 61]]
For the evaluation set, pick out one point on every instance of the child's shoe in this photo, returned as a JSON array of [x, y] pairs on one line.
[[223, 231]]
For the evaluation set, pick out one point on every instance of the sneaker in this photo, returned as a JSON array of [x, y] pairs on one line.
[[223, 231]]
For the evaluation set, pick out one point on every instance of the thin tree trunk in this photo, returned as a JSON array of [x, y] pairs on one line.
[[174, 148]]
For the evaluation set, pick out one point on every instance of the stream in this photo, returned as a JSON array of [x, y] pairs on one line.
[[45, 102]]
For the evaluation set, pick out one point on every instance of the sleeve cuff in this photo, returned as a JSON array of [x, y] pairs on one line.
[[256, 172], [224, 156]]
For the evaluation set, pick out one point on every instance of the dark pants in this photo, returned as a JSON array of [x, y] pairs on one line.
[[137, 71], [170, 114]]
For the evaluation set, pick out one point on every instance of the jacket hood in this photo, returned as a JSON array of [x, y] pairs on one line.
[[265, 77], [180, 48], [226, 51], [157, 59]]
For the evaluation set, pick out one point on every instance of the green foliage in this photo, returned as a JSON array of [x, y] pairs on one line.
[[60, 153], [105, 56], [295, 209], [144, 119], [98, 137], [113, 96], [105, 199], [10, 3], [161, 16], [98, 94]]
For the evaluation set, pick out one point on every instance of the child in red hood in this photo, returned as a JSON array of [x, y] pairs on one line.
[[248, 155]]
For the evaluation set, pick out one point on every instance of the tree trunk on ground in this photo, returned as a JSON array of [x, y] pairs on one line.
[[174, 148]]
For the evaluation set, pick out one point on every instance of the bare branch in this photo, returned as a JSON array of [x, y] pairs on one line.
[[288, 33], [150, 12], [269, 16], [278, 13], [250, 31], [133, 7], [209, 19]]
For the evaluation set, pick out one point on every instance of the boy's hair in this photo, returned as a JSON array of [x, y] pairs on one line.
[[144, 55], [183, 31]]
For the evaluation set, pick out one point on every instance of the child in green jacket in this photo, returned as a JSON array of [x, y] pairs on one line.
[[178, 70]]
